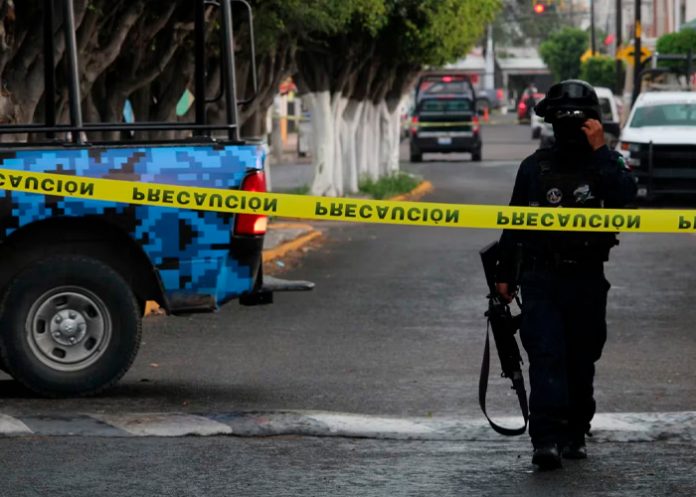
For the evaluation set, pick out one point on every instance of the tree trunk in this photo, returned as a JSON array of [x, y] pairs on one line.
[[350, 132], [372, 125], [393, 135], [323, 151], [385, 138]]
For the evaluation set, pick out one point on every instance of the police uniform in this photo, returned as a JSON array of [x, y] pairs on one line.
[[563, 287]]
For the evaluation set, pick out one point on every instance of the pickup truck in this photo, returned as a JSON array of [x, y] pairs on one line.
[[659, 143], [75, 274], [445, 117]]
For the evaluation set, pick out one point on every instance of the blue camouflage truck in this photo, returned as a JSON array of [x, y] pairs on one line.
[[76, 273]]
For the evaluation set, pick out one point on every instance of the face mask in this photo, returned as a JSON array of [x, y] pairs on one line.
[[568, 132]]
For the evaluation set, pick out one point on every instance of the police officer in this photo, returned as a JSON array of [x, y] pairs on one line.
[[561, 274]]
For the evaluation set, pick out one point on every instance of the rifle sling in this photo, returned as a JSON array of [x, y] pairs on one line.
[[483, 388]]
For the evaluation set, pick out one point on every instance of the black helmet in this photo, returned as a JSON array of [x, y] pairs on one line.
[[569, 95]]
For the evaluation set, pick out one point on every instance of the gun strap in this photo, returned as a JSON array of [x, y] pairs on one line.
[[517, 385]]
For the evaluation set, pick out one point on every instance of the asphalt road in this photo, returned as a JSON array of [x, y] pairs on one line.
[[394, 327], [308, 467]]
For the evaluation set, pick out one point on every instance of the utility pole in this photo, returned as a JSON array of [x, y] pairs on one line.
[[619, 34], [637, 31], [489, 75], [592, 30]]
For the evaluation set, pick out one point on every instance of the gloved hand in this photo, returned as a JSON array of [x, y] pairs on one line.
[[595, 133], [505, 291]]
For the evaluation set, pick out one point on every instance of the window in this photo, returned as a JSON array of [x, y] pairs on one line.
[[665, 115], [605, 105], [446, 106]]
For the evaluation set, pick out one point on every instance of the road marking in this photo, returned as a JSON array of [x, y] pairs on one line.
[[164, 425], [12, 426], [606, 427]]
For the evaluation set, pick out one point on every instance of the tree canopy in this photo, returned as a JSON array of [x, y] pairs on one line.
[[562, 50], [599, 70], [402, 37], [142, 50], [679, 42]]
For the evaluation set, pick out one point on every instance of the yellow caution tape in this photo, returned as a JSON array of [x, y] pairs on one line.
[[352, 210]]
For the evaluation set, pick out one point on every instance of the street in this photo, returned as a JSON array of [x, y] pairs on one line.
[[394, 328]]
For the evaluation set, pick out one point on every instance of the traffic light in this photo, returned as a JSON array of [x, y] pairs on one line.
[[541, 7]]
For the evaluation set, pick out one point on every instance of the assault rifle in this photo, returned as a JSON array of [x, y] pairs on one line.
[[504, 326]]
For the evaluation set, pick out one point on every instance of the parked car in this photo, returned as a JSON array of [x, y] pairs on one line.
[[659, 143], [537, 123], [491, 98], [525, 105]]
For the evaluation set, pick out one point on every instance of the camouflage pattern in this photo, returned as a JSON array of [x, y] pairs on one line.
[[190, 249]]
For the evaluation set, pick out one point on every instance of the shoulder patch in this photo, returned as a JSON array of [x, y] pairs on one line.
[[622, 163]]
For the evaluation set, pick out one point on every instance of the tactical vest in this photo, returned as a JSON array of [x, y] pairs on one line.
[[554, 186]]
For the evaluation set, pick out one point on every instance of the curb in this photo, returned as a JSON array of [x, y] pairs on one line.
[[425, 187], [292, 245], [606, 427], [418, 192]]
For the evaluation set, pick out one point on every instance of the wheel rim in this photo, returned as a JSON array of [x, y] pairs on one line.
[[68, 328]]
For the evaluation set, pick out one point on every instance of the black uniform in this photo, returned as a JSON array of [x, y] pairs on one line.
[[563, 287]]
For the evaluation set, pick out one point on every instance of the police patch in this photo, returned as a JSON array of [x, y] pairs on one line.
[[554, 196], [582, 194]]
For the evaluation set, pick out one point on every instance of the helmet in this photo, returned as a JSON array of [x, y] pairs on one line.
[[570, 95]]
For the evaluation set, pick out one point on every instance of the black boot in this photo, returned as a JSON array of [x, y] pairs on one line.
[[547, 457], [575, 449]]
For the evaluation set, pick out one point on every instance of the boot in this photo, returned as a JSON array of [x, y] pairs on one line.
[[575, 449], [547, 457]]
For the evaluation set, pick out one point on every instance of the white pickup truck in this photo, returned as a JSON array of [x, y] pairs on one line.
[[659, 143]]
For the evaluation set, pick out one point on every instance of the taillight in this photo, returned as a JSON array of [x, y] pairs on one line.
[[476, 124], [414, 124], [252, 224]]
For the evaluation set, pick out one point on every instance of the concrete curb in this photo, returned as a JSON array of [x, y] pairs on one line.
[[283, 249], [608, 427], [418, 192]]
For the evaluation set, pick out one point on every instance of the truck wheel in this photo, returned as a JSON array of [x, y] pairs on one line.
[[69, 325], [416, 157], [476, 155]]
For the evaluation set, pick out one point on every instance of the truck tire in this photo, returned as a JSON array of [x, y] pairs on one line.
[[69, 326], [477, 155], [416, 157]]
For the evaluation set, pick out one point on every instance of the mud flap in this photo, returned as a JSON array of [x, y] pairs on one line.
[[270, 285]]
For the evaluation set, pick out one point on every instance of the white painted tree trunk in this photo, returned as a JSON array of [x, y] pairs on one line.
[[384, 137], [327, 152], [393, 154], [362, 139], [372, 128], [323, 150], [338, 107], [350, 138]]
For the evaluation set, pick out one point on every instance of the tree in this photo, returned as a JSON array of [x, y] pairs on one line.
[[599, 70], [562, 50], [354, 81], [679, 42]]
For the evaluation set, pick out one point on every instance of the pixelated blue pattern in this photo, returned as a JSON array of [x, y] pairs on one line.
[[197, 262]]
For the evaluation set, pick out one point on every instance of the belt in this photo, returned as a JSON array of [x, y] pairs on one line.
[[561, 264]]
